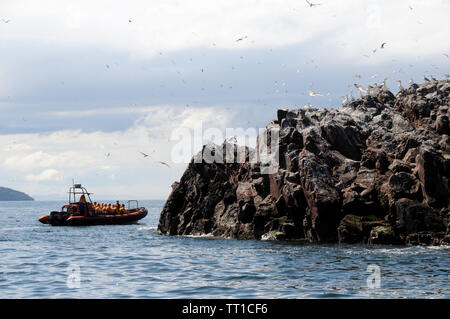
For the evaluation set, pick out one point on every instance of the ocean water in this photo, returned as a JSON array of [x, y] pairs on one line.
[[133, 261]]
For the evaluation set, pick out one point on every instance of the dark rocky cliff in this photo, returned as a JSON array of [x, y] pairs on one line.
[[375, 170]]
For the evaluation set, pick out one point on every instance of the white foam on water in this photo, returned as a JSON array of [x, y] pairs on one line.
[[143, 228]]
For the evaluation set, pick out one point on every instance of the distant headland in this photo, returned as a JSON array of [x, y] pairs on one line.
[[8, 194]]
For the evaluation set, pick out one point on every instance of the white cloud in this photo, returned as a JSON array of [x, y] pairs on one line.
[[47, 175], [176, 25], [109, 163]]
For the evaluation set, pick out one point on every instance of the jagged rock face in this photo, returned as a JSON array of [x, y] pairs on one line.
[[376, 170]]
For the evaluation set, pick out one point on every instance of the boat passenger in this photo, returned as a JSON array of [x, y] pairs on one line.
[[82, 207], [109, 210], [122, 209], [117, 207]]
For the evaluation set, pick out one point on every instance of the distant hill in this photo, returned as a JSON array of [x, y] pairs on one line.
[[7, 194]]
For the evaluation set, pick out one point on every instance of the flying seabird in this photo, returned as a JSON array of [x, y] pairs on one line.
[[426, 79], [243, 38], [312, 93], [312, 4], [143, 154], [163, 163], [382, 45], [6, 20]]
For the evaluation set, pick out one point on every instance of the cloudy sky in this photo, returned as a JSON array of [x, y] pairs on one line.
[[85, 86]]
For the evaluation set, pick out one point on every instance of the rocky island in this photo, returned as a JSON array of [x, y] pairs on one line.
[[8, 194], [376, 170]]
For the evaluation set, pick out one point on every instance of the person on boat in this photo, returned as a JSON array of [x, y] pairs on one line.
[[82, 206], [109, 210], [122, 209], [116, 207], [95, 206]]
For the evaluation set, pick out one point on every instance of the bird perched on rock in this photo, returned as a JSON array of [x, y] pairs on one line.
[[360, 88], [400, 87], [352, 98], [360, 95]]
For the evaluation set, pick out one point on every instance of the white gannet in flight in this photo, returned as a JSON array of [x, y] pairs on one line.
[[312, 93], [312, 4]]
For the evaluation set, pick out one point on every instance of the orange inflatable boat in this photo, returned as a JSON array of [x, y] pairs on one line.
[[81, 212]]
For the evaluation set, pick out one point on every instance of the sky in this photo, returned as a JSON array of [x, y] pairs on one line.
[[86, 86]]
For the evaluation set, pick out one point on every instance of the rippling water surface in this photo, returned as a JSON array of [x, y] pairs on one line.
[[133, 261]]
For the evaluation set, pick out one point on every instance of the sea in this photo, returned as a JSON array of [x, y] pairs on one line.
[[134, 261]]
